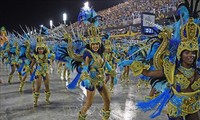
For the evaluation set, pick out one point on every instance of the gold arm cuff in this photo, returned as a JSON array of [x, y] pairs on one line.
[[138, 67]]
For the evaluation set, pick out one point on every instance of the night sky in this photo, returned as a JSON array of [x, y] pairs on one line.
[[33, 13]]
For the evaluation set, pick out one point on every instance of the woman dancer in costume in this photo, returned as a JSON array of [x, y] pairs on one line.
[[3, 40], [181, 93], [93, 64], [40, 61], [25, 61], [92, 76], [125, 73], [110, 57], [13, 55], [178, 63]]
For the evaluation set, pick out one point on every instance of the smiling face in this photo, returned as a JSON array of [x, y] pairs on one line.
[[107, 49], [95, 46], [188, 58], [40, 50]]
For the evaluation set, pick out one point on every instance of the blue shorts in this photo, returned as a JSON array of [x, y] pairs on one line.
[[92, 88]]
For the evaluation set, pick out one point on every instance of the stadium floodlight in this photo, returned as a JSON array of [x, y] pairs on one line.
[[64, 17], [51, 24]]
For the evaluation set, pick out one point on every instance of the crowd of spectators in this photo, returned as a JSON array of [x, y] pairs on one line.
[[129, 12], [119, 18]]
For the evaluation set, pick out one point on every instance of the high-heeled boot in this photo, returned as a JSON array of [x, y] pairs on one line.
[[21, 86], [10, 78], [48, 94], [82, 116], [20, 77], [111, 87], [105, 114], [36, 96]]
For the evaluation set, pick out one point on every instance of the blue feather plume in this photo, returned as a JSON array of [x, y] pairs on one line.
[[159, 102], [74, 82], [173, 46], [21, 67], [88, 16], [33, 75]]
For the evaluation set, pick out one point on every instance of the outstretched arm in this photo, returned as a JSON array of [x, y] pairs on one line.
[[84, 78], [154, 73], [140, 68], [32, 64]]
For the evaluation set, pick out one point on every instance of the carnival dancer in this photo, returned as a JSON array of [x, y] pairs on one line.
[[110, 57], [181, 91], [25, 61], [3, 41], [93, 64], [40, 61], [124, 56], [13, 55], [92, 76]]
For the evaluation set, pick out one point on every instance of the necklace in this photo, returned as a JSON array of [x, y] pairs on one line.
[[187, 72], [41, 56]]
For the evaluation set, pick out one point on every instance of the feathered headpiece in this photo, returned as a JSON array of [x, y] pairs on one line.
[[94, 36], [40, 43], [189, 38], [89, 16]]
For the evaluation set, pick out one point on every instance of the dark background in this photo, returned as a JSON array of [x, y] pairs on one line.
[[33, 13]]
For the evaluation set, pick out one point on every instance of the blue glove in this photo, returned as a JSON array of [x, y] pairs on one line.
[[108, 66], [38, 67], [85, 69], [125, 63], [115, 80], [86, 83]]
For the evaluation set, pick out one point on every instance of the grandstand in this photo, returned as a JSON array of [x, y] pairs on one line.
[[126, 16]]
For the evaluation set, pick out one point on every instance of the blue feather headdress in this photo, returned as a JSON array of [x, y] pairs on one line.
[[88, 15]]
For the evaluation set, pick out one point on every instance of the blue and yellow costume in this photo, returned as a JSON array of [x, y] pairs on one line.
[[13, 56], [178, 86], [41, 60], [41, 68], [91, 71], [111, 58], [179, 102], [93, 74], [3, 42], [184, 103], [25, 59]]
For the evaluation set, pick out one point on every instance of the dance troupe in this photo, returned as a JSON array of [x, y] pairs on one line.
[[168, 61]]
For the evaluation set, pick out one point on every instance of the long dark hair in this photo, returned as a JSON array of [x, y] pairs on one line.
[[154, 81], [36, 51]]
